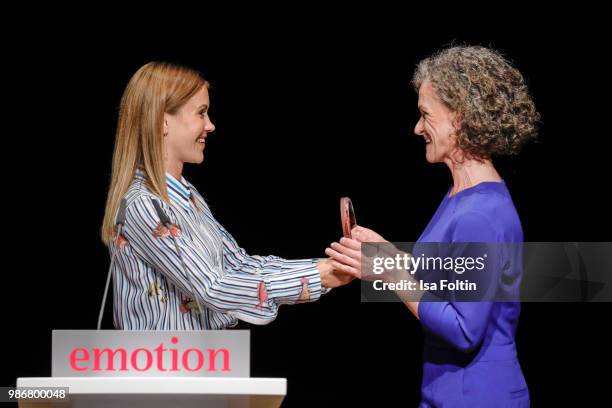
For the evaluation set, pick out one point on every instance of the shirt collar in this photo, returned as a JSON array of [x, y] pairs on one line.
[[178, 191]]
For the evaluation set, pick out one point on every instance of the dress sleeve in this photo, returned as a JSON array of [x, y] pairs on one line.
[[462, 324]]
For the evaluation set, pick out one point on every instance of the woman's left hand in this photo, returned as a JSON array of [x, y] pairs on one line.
[[346, 255]]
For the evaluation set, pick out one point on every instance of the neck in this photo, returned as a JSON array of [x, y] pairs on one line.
[[471, 172], [175, 169]]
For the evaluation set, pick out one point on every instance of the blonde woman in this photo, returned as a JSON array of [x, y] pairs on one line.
[[176, 267]]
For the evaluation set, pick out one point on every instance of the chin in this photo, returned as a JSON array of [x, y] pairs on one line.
[[433, 160], [196, 159]]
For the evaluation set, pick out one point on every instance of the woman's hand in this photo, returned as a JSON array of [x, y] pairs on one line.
[[363, 234], [332, 278], [346, 255]]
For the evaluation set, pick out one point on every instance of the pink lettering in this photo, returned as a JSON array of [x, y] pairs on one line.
[[74, 359]]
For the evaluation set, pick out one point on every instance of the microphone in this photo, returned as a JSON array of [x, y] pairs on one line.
[[119, 223], [165, 220]]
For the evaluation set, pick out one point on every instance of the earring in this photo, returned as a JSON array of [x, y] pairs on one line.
[[165, 144]]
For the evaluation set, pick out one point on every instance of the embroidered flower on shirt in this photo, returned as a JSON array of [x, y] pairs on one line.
[[120, 241], [262, 294], [156, 290], [305, 293], [161, 231], [175, 231], [188, 304]]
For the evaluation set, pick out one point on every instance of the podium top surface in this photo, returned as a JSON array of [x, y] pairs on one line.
[[161, 385]]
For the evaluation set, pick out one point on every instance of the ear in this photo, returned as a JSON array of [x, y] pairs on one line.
[[457, 122], [166, 120]]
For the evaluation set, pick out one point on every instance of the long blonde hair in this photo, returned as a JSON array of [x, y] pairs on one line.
[[156, 88]]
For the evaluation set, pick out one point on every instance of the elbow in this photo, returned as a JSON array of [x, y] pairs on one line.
[[460, 329], [467, 342], [467, 347]]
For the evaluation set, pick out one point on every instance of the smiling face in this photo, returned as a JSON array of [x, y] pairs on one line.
[[186, 131], [437, 125]]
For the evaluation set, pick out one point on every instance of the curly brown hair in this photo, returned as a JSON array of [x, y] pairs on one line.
[[497, 113]]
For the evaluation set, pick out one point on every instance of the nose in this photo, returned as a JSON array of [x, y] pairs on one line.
[[210, 127], [418, 128]]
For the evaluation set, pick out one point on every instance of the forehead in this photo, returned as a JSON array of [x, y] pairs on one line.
[[430, 101], [199, 98], [427, 94]]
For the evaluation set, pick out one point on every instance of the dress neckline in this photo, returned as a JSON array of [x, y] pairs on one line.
[[475, 187]]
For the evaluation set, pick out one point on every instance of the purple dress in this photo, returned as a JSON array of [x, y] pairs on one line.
[[469, 357]]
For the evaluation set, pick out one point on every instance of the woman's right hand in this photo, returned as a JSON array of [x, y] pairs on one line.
[[331, 277], [363, 234]]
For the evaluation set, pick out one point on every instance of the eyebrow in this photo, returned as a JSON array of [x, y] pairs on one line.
[[203, 106]]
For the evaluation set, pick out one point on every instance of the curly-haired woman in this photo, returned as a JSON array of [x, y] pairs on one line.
[[474, 106]]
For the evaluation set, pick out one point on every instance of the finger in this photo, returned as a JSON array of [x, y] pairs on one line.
[[356, 255], [351, 243], [357, 232], [346, 269], [347, 260]]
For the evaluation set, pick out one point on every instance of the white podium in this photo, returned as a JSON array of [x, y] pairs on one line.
[[153, 392]]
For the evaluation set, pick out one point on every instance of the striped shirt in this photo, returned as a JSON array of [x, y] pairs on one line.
[[151, 290]]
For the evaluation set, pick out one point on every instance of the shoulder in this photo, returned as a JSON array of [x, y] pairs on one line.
[[140, 204], [488, 215], [473, 226]]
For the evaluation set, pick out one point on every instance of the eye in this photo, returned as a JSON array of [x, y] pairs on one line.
[[203, 113]]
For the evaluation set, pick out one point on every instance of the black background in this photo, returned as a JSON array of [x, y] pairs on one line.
[[305, 113]]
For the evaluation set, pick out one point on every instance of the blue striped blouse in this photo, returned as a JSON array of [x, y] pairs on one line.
[[151, 291]]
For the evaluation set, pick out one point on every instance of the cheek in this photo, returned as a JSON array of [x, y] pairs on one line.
[[198, 127], [184, 134], [448, 137], [432, 130], [441, 134], [191, 129]]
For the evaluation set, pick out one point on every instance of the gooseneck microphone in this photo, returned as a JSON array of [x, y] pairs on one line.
[[119, 222], [165, 220]]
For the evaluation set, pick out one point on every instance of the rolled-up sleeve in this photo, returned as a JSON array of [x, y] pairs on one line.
[[227, 291], [287, 277]]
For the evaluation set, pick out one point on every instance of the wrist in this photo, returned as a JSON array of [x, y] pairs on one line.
[[324, 269]]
